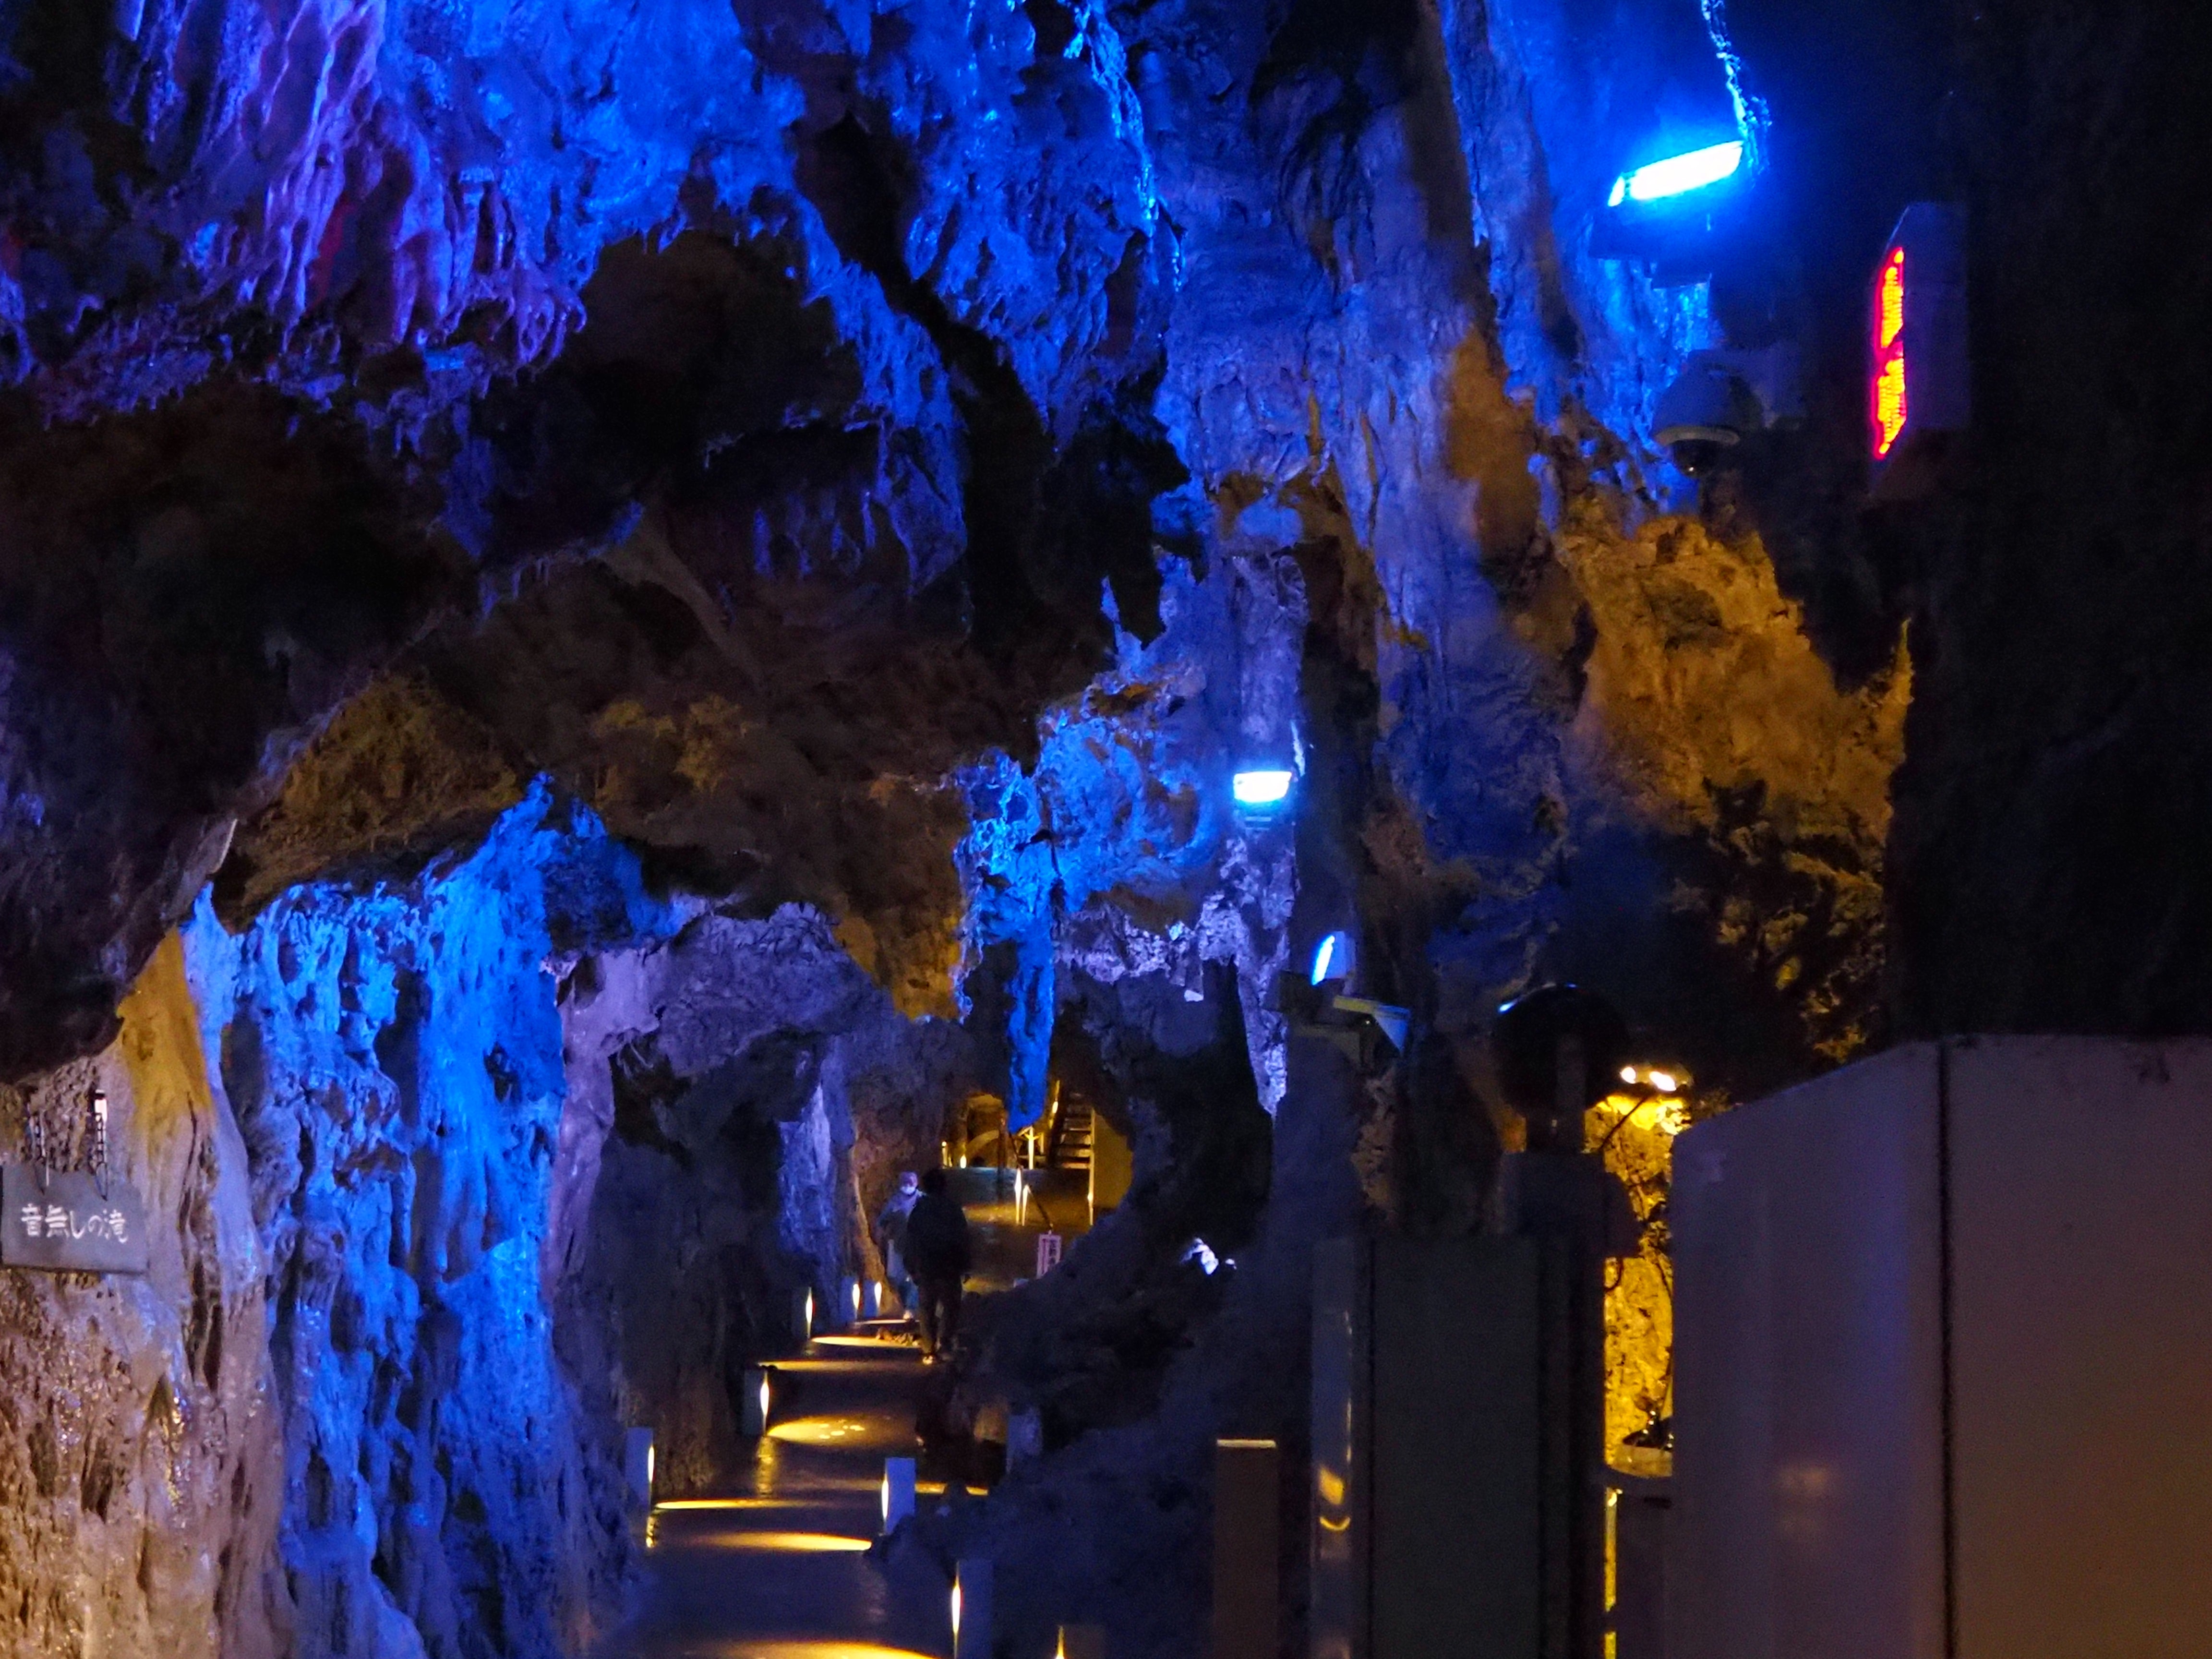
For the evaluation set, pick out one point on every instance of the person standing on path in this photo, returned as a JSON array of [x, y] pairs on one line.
[[890, 1239], [936, 1250]]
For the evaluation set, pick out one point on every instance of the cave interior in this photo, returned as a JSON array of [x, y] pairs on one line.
[[619, 622]]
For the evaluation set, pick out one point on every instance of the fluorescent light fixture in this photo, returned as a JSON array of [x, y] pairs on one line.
[[1261, 787], [1678, 174], [1335, 958]]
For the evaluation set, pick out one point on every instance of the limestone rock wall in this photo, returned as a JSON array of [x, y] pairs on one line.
[[142, 1441], [329, 324], [1554, 722], [451, 1180], [393, 1058], [752, 1094]]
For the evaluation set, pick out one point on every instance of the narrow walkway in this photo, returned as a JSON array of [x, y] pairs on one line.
[[777, 1570]]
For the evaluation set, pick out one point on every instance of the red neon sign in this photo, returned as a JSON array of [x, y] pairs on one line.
[[1885, 397]]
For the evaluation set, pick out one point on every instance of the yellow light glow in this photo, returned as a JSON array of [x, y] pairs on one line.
[[1628, 1074], [827, 1649], [1889, 320], [1331, 1485], [763, 1398], [857, 1433], [839, 1367], [797, 1543]]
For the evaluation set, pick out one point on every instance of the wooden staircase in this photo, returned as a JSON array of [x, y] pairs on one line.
[[1068, 1146]]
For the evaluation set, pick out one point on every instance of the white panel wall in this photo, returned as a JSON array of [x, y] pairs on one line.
[[1944, 1359]]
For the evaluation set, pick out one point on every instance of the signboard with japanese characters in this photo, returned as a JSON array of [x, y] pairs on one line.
[[67, 1223]]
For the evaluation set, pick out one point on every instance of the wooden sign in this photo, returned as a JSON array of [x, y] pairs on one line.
[[67, 1225]]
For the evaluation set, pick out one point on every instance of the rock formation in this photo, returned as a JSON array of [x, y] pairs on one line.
[[606, 611]]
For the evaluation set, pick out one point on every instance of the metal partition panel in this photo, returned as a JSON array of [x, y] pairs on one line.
[[2081, 1346], [1425, 1434], [1807, 1493], [1248, 1506], [1455, 1439], [1342, 1341]]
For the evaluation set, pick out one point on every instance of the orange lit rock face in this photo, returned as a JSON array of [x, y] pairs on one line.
[[143, 1468], [398, 774], [1706, 714], [1637, 1134]]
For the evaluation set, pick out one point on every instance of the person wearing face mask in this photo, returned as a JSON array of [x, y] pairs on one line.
[[890, 1238]]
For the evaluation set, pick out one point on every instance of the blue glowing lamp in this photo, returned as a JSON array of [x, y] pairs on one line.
[[1332, 958], [1261, 787], [1678, 175]]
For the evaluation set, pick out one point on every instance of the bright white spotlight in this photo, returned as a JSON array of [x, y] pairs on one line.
[[898, 1493], [1261, 787], [971, 1610], [1664, 1082], [1678, 174]]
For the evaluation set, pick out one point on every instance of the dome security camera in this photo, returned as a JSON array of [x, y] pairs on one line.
[[1719, 399]]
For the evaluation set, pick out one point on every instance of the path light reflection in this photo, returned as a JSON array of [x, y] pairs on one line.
[[825, 1649], [796, 1543], [848, 1433]]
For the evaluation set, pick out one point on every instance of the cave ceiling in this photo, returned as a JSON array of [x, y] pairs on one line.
[[732, 413], [762, 419]]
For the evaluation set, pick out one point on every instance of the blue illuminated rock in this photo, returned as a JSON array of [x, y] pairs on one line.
[[420, 297], [393, 1059]]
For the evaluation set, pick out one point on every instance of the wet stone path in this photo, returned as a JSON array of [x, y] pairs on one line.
[[778, 1569]]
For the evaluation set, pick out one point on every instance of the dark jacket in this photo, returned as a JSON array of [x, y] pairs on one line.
[[890, 1223], [936, 1242]]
